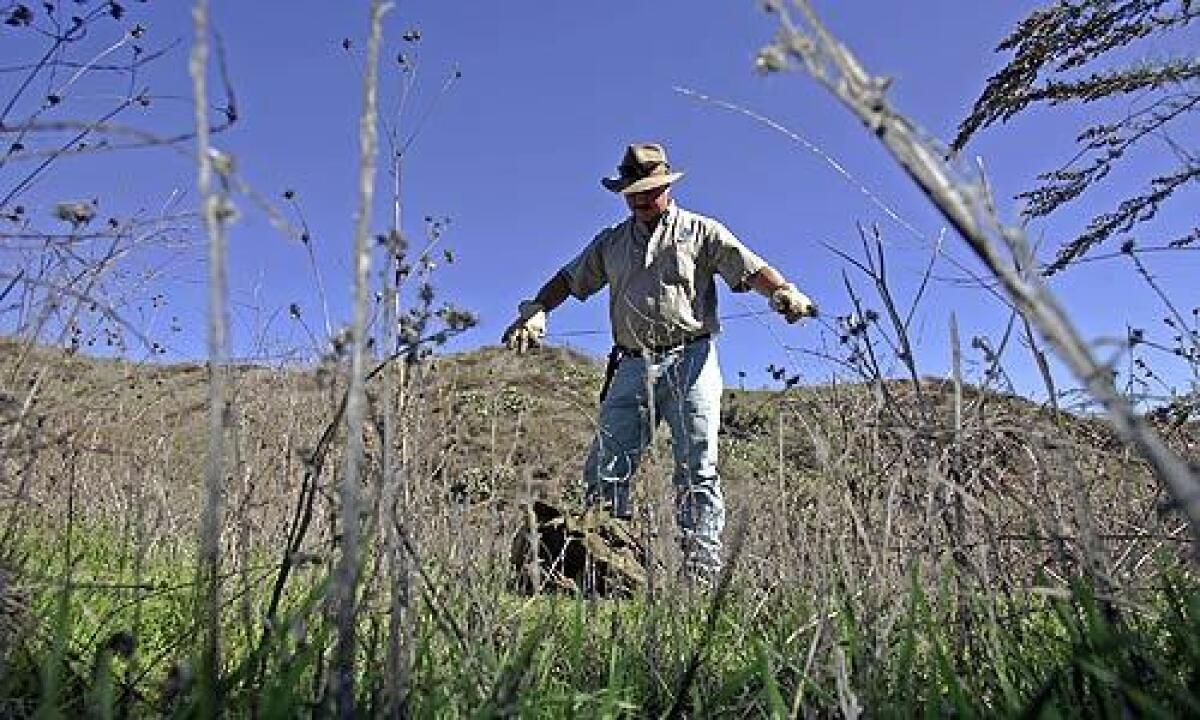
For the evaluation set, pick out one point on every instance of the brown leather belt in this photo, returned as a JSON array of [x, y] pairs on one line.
[[618, 352], [663, 349]]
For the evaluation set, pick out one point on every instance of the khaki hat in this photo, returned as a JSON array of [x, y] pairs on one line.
[[644, 167]]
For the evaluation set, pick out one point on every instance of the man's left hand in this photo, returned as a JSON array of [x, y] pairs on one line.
[[792, 304], [529, 328]]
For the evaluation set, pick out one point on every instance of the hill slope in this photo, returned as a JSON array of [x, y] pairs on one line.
[[886, 464]]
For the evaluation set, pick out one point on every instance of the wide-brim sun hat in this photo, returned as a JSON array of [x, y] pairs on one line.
[[644, 167]]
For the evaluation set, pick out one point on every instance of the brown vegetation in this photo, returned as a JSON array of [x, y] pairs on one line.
[[878, 471]]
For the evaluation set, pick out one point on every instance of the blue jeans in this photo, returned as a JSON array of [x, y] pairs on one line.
[[686, 391]]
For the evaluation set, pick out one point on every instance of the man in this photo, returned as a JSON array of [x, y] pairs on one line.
[[659, 265]]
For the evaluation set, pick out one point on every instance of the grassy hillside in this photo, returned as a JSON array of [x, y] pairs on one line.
[[895, 547]]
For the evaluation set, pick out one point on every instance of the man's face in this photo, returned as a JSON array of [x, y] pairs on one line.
[[649, 204]]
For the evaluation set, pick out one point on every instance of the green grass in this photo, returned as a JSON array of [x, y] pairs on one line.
[[817, 619], [479, 651]]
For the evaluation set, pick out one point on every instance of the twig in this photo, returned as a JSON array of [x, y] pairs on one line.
[[341, 677], [719, 598], [975, 279], [1165, 299], [212, 204], [839, 71], [72, 142]]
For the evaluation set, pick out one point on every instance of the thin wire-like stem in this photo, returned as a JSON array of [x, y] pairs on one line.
[[965, 207], [1165, 299], [209, 590], [342, 675], [973, 279], [395, 470]]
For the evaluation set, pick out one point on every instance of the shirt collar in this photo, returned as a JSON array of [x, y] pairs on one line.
[[667, 216]]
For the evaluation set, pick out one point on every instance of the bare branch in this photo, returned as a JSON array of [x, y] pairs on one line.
[[342, 674], [212, 202], [965, 207]]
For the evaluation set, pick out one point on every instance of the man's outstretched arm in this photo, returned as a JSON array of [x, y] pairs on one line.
[[553, 293], [529, 328], [766, 281]]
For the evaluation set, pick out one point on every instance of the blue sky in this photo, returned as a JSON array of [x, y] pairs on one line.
[[549, 94]]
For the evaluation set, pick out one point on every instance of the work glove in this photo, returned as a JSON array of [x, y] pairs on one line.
[[529, 328], [791, 303]]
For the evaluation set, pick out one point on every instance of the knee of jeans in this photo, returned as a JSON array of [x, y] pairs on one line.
[[701, 523], [699, 449], [700, 497]]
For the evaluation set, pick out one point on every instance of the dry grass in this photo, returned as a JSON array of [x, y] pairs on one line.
[[851, 493], [923, 539], [853, 462]]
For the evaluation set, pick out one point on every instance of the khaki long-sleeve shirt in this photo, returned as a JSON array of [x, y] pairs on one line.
[[661, 281]]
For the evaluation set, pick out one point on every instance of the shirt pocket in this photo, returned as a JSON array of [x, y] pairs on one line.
[[679, 265]]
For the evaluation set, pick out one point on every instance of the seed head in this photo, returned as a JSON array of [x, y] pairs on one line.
[[76, 212]]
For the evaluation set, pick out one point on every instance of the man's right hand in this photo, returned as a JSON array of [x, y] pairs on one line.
[[528, 329]]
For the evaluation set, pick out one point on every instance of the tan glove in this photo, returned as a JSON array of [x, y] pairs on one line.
[[529, 328], [792, 304]]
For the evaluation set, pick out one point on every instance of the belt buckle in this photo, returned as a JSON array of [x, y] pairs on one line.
[[670, 349], [661, 350]]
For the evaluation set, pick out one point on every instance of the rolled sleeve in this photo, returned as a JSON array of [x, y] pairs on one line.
[[732, 260], [585, 274]]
